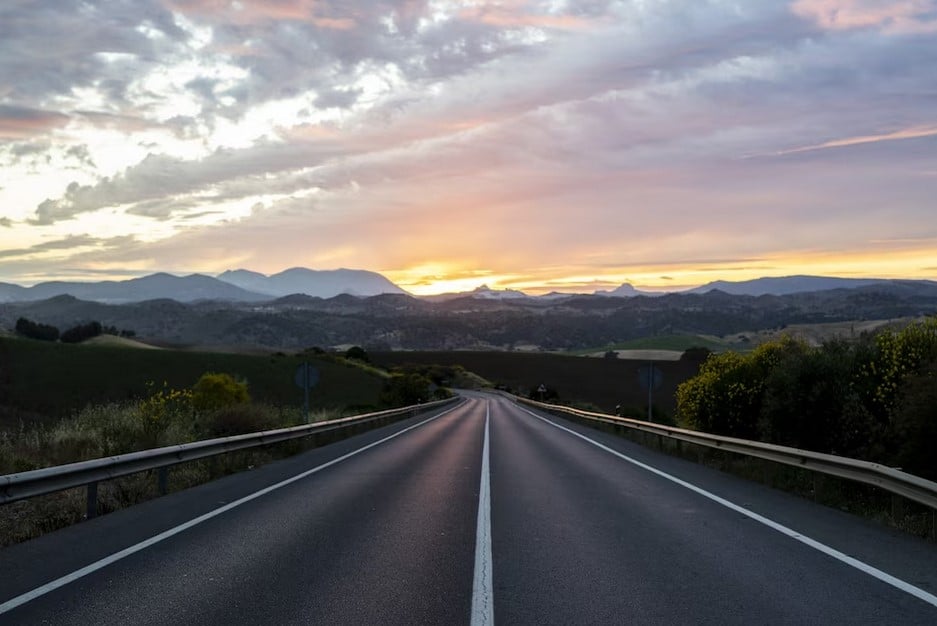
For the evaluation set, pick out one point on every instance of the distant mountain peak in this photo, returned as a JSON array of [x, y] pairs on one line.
[[785, 285], [626, 290], [316, 283]]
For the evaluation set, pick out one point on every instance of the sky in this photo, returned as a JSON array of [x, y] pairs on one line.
[[566, 145]]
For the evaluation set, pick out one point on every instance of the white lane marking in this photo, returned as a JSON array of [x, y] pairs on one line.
[[482, 594], [784, 530], [11, 604]]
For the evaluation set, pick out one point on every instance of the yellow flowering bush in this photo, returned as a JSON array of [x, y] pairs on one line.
[[163, 406]]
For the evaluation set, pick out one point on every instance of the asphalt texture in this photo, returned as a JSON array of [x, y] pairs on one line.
[[387, 535]]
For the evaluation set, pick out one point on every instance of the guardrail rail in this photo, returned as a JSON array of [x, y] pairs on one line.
[[24, 485], [900, 483]]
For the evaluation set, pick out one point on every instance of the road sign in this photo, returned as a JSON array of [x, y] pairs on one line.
[[650, 375], [306, 376]]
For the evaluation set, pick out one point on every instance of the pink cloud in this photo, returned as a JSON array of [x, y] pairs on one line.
[[508, 17], [23, 123], [906, 16], [898, 135], [252, 11]]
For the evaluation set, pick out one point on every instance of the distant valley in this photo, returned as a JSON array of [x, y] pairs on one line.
[[303, 308]]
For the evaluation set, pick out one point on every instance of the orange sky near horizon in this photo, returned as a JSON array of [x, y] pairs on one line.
[[533, 145]]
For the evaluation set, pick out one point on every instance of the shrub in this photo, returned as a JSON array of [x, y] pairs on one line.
[[405, 390], [217, 390], [166, 409], [239, 419]]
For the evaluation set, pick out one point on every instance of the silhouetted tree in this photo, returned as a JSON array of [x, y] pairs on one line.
[[33, 330]]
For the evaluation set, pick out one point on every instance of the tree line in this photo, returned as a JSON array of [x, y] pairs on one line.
[[75, 334], [872, 399]]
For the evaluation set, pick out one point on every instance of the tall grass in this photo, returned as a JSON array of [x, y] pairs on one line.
[[165, 418]]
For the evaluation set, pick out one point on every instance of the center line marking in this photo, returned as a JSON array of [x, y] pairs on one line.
[[482, 594]]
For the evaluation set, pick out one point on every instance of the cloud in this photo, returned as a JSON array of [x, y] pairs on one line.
[[907, 16], [6, 222], [610, 134], [72, 242], [24, 122], [898, 135], [48, 48]]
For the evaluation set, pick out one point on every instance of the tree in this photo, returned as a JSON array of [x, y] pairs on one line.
[[915, 424], [405, 390], [726, 397], [811, 401], [81, 332], [358, 354], [33, 330]]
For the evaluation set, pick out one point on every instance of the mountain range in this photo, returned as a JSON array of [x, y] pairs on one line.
[[395, 321], [247, 286], [231, 286]]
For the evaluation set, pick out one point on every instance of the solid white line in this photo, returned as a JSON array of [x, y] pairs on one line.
[[784, 530], [482, 594], [117, 556]]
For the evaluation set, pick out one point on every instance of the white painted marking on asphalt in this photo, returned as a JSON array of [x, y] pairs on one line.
[[482, 593], [784, 530], [117, 556]]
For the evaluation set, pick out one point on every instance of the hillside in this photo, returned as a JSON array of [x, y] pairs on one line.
[[44, 380], [402, 322]]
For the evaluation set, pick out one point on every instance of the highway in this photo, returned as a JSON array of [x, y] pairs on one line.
[[482, 513]]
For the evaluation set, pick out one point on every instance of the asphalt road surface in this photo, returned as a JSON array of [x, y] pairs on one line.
[[477, 514]]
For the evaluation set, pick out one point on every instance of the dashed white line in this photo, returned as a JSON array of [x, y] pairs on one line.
[[19, 600], [482, 593], [784, 530]]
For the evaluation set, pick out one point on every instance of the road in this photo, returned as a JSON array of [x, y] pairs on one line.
[[481, 513]]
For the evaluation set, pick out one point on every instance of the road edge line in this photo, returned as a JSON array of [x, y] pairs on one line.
[[855, 563], [42, 590]]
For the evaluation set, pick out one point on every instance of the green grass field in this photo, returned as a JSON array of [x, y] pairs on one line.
[[42, 381]]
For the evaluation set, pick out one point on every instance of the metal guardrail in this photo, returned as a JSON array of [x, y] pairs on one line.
[[39, 482], [892, 480]]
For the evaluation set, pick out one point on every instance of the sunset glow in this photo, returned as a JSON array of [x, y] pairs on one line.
[[539, 146]]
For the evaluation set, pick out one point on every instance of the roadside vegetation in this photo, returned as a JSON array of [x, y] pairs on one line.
[[109, 410], [45, 382], [874, 398]]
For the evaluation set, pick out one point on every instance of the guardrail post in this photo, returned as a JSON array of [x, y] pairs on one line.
[[897, 508], [92, 501], [162, 479]]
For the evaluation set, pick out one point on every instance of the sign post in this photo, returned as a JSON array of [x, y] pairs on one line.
[[651, 378], [306, 378], [542, 389]]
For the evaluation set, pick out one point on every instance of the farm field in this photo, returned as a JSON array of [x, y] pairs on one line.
[[47, 381], [675, 343], [602, 383]]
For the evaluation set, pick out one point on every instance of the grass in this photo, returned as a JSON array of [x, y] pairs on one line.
[[43, 382], [62, 403]]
